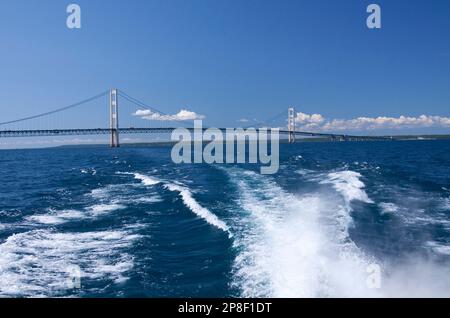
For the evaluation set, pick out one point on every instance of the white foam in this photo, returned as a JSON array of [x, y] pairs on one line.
[[36, 263], [291, 246], [98, 209], [445, 204], [123, 193], [152, 199], [100, 193], [304, 172], [440, 248], [56, 217], [146, 180], [195, 207], [388, 208], [349, 185]]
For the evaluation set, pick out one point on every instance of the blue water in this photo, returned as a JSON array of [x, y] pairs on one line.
[[137, 225]]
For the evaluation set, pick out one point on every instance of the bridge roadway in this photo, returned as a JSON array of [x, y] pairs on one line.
[[107, 131]]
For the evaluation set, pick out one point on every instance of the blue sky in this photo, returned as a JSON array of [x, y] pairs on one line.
[[229, 60]]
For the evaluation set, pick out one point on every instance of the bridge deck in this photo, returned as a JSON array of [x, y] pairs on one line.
[[107, 131]]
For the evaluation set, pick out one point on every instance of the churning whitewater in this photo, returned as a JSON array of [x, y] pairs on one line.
[[133, 224], [297, 246]]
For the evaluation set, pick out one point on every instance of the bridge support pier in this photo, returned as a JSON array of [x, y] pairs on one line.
[[291, 124], [114, 118]]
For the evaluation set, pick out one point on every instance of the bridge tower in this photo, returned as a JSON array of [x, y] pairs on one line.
[[114, 118], [291, 124]]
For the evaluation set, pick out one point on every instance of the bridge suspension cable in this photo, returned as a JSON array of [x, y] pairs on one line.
[[137, 102], [56, 110], [282, 114]]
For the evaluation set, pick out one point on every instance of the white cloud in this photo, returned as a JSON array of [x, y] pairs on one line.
[[180, 116], [319, 123], [243, 120], [309, 119]]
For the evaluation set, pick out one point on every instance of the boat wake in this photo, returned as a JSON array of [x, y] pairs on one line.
[[291, 246]]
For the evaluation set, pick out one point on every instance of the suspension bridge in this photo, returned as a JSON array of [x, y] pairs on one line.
[[26, 126]]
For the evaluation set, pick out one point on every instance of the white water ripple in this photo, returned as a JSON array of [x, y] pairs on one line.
[[146, 180], [349, 185], [55, 217], [195, 207], [36, 263], [188, 201]]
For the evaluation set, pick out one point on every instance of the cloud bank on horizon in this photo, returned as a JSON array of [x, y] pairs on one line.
[[317, 122], [182, 115]]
